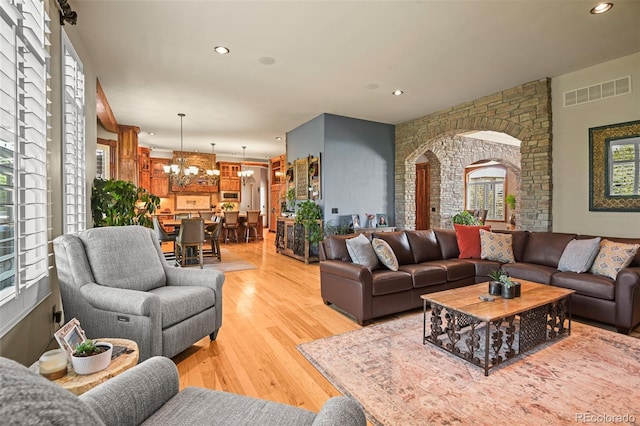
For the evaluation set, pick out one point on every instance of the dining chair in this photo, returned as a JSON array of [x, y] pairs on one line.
[[188, 245], [251, 224], [230, 224], [212, 233], [162, 234]]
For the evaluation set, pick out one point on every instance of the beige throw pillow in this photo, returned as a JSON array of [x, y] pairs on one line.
[[385, 253], [497, 247], [613, 257], [361, 252]]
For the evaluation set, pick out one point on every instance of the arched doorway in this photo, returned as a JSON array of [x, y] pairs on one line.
[[523, 112]]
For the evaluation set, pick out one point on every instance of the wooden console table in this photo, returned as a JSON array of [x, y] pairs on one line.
[[291, 240]]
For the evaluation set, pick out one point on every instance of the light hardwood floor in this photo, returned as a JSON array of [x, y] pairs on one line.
[[267, 311]]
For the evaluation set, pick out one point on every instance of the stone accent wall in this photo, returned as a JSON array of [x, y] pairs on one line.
[[523, 112]]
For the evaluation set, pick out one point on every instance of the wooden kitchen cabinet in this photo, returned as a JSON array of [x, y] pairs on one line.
[[159, 179], [144, 168], [229, 180]]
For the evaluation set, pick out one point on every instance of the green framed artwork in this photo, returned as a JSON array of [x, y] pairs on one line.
[[614, 167]]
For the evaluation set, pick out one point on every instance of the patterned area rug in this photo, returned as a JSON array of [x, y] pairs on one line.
[[400, 381], [230, 263]]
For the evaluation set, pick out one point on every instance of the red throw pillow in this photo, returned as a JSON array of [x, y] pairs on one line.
[[469, 240]]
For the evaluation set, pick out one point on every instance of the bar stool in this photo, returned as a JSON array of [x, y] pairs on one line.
[[230, 224], [251, 225]]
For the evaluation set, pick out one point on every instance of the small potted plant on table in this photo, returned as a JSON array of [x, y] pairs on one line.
[[502, 285], [90, 356]]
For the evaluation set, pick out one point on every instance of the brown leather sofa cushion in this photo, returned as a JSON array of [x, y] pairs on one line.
[[586, 284], [399, 244], [545, 248], [387, 282], [519, 244], [335, 247], [636, 259], [425, 275], [424, 245], [531, 272], [448, 243]]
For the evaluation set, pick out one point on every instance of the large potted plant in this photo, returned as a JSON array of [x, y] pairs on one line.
[[309, 217], [120, 202]]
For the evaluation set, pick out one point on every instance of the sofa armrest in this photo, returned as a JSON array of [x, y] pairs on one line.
[[195, 277], [121, 300], [340, 410], [627, 297], [131, 397], [348, 270]]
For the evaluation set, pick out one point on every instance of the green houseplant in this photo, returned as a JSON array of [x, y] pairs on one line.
[[308, 214], [511, 202], [119, 203], [464, 218], [90, 356]]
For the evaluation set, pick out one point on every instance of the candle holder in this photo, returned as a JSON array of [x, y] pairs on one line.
[[53, 364]]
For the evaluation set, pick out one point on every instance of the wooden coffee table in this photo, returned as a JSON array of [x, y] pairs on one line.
[[510, 327], [79, 384]]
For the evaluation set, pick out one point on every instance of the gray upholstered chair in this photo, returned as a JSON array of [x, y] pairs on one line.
[[116, 281], [148, 394], [189, 242]]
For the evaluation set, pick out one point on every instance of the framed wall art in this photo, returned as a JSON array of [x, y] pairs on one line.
[[614, 167], [301, 170]]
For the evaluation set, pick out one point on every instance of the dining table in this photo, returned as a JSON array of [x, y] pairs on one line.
[[242, 218]]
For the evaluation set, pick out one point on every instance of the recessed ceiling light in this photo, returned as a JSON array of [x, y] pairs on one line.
[[151, 134], [221, 50], [397, 92], [278, 138], [601, 8]]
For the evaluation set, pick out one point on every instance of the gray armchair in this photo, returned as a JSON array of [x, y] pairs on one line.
[[116, 281], [148, 394]]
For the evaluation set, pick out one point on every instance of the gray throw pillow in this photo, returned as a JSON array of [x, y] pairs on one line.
[[361, 252], [578, 256]]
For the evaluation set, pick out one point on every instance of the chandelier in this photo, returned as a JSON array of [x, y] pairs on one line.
[[213, 173], [245, 174], [179, 173]]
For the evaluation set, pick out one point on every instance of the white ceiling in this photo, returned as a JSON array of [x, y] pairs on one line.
[[155, 59]]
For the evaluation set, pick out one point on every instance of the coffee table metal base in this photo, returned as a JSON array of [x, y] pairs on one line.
[[461, 334]]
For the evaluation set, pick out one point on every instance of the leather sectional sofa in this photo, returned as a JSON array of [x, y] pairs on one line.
[[428, 262]]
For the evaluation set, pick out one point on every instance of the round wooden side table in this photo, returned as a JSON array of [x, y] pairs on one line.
[[79, 384]]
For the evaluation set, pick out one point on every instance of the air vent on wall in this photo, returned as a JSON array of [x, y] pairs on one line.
[[607, 89]]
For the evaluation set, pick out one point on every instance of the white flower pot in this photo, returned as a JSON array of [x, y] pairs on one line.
[[94, 363]]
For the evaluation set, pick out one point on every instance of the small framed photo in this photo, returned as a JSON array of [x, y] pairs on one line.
[[70, 336], [381, 221], [355, 220]]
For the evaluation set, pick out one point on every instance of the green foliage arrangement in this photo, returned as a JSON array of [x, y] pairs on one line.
[[291, 199], [120, 203], [464, 218], [88, 348], [332, 229], [308, 214], [511, 201], [502, 276], [227, 206]]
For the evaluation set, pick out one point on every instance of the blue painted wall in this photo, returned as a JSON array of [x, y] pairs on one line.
[[357, 164]]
